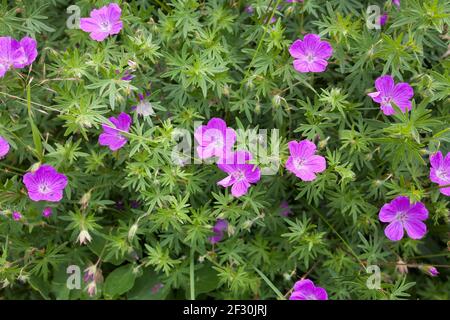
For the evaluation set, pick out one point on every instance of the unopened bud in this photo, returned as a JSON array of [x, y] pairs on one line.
[[429, 270], [132, 232], [84, 201]]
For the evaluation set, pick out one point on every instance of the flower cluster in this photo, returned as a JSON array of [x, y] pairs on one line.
[[85, 152]]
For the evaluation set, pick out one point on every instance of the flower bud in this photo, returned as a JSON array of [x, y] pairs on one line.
[[84, 201], [132, 231], [429, 270]]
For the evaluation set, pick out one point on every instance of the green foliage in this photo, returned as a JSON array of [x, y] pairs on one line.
[[203, 59]]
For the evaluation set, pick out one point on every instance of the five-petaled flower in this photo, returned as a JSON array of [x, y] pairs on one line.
[[306, 290], [389, 92], [16, 54], [303, 162], [311, 54], [45, 184], [440, 171], [215, 140], [103, 22], [401, 214], [4, 147], [240, 173], [112, 136]]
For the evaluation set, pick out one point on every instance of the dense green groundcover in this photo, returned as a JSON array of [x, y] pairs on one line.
[[149, 219]]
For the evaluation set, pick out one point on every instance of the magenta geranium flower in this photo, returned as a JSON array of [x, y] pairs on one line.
[[311, 54], [112, 136], [388, 92], [240, 173], [440, 171], [396, 2], [47, 212], [401, 214], [219, 228], [306, 290], [26, 53], [303, 162], [103, 22], [4, 147], [215, 139], [16, 215], [45, 184], [15, 54]]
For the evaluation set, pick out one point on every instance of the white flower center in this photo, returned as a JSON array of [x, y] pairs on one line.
[[238, 175], [105, 26], [44, 188], [402, 216], [299, 163], [443, 175], [386, 101]]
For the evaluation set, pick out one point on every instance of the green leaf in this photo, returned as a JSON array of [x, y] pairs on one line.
[[119, 281]]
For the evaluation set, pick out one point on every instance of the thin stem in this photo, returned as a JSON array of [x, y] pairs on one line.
[[339, 236], [192, 275]]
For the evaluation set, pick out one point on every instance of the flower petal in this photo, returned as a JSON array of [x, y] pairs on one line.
[[415, 228], [394, 231]]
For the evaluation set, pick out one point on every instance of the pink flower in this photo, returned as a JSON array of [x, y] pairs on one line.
[[440, 171], [215, 139], [306, 290], [396, 2], [16, 215], [218, 229], [45, 184], [16, 54], [47, 212], [103, 22], [383, 19], [4, 147], [311, 54], [432, 271], [26, 53], [389, 92], [401, 214], [112, 136], [240, 173], [302, 162]]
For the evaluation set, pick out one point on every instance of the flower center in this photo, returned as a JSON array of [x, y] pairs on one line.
[[44, 188], [443, 175], [238, 175], [299, 163], [310, 57], [105, 26], [402, 216], [386, 101]]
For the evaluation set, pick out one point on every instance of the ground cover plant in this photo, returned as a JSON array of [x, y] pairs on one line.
[[208, 149]]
